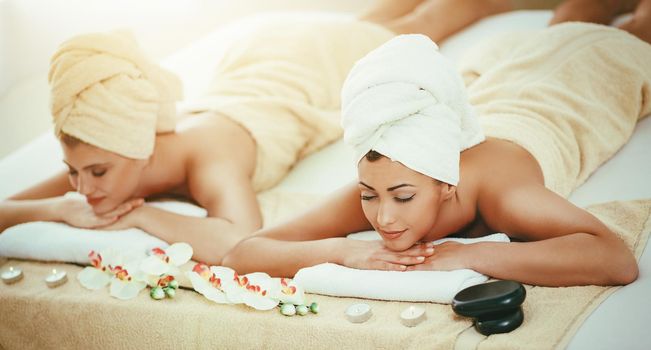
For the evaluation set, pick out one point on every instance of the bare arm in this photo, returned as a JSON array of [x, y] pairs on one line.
[[36, 203], [318, 236], [562, 245], [225, 191], [306, 240], [565, 245]]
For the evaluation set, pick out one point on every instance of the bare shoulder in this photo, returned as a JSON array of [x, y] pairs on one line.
[[214, 138], [512, 197], [220, 161]]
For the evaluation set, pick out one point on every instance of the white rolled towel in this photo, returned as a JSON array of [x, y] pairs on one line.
[[417, 286], [408, 102]]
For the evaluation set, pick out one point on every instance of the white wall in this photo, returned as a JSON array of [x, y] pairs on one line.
[[30, 31]]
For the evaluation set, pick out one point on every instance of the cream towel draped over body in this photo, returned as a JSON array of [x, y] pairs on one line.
[[571, 95], [282, 82]]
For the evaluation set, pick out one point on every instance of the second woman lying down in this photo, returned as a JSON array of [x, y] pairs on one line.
[[428, 167]]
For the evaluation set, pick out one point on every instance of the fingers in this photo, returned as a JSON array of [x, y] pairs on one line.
[[387, 266], [405, 260], [419, 267], [420, 249]]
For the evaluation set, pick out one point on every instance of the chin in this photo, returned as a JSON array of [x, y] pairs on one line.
[[398, 246], [104, 207]]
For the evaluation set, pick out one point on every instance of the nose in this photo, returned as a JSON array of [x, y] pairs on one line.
[[385, 215], [84, 185]]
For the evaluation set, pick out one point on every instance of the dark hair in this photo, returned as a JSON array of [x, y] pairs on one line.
[[372, 156], [69, 140]]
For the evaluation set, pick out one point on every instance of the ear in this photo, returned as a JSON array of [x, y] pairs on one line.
[[447, 191]]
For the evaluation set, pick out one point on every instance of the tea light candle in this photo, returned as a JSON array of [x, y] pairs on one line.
[[56, 279], [11, 275], [358, 313], [412, 316]]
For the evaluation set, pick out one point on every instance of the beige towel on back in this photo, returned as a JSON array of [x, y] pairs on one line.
[[571, 95], [282, 82]]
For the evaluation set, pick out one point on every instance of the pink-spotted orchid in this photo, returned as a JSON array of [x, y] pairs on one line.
[[166, 261], [290, 293], [208, 282], [256, 290], [109, 267]]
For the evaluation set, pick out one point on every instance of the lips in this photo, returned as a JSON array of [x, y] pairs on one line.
[[94, 201], [392, 234]]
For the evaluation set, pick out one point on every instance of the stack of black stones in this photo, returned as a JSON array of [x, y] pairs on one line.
[[494, 306]]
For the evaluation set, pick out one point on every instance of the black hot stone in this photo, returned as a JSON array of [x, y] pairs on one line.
[[493, 300], [504, 324]]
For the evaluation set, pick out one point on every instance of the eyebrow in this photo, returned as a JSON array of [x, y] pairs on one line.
[[87, 166], [392, 188]]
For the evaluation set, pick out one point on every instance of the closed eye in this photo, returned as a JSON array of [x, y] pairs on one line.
[[403, 200], [99, 173], [367, 198]]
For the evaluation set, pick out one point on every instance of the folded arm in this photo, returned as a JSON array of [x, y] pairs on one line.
[[225, 191], [558, 244], [318, 236], [564, 244], [41, 202]]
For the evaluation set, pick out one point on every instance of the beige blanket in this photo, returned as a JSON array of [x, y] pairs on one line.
[[570, 94], [34, 316], [282, 80]]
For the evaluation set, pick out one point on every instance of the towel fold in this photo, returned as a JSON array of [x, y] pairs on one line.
[[105, 92], [433, 286], [408, 102]]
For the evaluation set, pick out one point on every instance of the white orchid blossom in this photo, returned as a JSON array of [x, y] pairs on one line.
[[290, 293], [112, 268], [166, 261], [207, 283]]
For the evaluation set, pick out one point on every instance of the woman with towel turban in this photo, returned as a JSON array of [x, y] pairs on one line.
[[274, 100], [539, 113]]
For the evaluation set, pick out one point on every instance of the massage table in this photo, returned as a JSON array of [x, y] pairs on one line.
[[621, 321]]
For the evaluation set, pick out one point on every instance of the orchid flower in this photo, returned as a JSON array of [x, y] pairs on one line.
[[123, 285], [110, 269], [207, 283], [255, 290], [290, 293], [167, 261], [96, 276]]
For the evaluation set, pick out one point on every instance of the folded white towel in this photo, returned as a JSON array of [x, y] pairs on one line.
[[432, 286], [53, 241], [409, 103]]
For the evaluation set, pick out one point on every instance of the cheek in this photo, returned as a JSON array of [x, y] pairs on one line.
[[421, 217], [73, 181], [370, 211], [119, 185]]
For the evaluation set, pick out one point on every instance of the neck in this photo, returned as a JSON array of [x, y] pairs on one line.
[[165, 170], [450, 215], [457, 212]]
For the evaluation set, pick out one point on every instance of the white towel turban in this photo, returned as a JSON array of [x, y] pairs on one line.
[[409, 103], [105, 92]]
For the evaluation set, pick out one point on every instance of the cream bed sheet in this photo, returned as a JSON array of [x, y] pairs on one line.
[[621, 321]]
